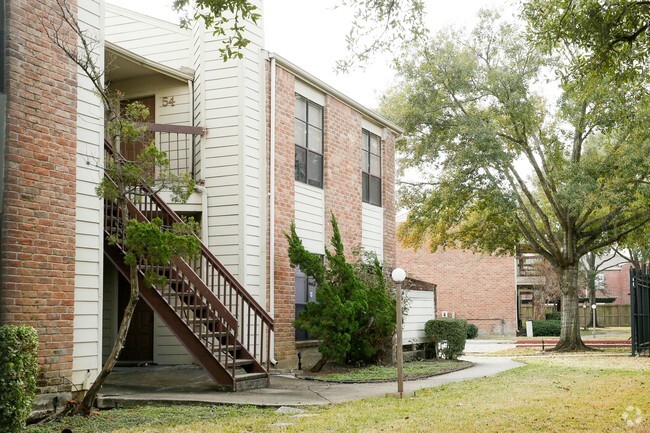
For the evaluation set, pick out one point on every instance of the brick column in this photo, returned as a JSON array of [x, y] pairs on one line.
[[343, 173], [38, 216], [284, 213]]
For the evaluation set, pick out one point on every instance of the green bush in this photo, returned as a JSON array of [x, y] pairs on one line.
[[472, 331], [546, 328], [354, 317], [554, 315], [452, 331], [18, 369]]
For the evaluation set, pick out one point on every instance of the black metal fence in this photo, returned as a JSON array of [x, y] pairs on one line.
[[640, 311]]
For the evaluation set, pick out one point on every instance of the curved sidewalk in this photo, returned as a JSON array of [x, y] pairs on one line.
[[189, 384]]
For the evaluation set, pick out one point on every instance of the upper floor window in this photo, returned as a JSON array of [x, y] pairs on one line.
[[371, 168], [309, 142]]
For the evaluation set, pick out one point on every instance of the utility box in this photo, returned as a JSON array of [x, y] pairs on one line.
[[529, 328]]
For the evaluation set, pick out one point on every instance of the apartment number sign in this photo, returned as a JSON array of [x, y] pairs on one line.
[[168, 101]]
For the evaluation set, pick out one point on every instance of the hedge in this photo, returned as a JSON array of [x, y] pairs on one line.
[[554, 315], [453, 331], [18, 370], [546, 328]]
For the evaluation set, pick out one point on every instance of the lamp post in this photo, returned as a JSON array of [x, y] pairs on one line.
[[593, 320], [399, 275]]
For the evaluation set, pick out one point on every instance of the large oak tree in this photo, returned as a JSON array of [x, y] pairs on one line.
[[509, 150]]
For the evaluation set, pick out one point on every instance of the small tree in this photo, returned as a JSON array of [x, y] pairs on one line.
[[354, 316]]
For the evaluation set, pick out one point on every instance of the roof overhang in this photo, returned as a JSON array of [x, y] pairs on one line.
[[127, 64]]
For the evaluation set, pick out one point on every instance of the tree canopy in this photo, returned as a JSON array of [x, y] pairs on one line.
[[505, 161]]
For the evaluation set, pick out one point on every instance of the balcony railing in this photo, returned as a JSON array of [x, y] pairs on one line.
[[178, 142]]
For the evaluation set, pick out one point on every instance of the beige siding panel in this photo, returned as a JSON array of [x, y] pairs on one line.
[[89, 241], [421, 310], [109, 310], [310, 217], [167, 349], [157, 40], [372, 229]]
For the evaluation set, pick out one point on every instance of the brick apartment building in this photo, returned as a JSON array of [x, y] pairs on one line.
[[267, 144], [477, 287]]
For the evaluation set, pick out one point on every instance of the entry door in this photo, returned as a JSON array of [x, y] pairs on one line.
[[132, 149], [138, 347]]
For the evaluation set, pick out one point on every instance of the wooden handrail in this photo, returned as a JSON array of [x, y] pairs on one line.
[[239, 310]]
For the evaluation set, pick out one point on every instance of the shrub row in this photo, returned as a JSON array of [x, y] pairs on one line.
[[546, 328], [18, 369], [554, 315]]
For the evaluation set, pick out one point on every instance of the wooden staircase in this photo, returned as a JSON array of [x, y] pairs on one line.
[[208, 310]]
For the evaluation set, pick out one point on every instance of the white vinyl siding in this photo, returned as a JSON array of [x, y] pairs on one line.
[[228, 102], [421, 310], [167, 349], [157, 40], [372, 229], [310, 217], [89, 238]]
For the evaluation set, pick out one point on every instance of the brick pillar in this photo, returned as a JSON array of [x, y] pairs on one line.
[[38, 216], [284, 214], [343, 173]]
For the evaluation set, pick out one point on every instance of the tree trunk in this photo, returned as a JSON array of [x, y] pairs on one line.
[[570, 339], [539, 304], [88, 401]]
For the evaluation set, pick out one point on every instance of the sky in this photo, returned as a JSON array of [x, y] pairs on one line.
[[310, 34]]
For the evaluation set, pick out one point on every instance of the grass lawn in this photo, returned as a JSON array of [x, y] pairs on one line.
[[412, 370], [550, 394]]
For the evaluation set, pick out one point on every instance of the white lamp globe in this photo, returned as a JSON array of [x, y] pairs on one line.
[[398, 275]]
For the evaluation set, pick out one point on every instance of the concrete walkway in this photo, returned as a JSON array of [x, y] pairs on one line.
[[190, 384]]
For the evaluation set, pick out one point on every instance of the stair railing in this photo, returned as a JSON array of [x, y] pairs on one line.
[[253, 325]]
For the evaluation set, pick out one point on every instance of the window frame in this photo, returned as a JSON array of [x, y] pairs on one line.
[[306, 149], [366, 163]]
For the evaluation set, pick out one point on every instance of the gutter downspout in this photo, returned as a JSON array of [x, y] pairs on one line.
[[272, 199]]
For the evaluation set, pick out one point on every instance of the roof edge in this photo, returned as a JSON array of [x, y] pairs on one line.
[[326, 88], [147, 63]]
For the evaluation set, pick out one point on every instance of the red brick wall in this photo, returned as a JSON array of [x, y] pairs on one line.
[[342, 187], [617, 284], [343, 172], [476, 287], [284, 213], [388, 198], [38, 226]]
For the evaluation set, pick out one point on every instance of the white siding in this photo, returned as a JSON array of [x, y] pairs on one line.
[[310, 217], [157, 40], [372, 229], [421, 310], [229, 103], [167, 349], [88, 261]]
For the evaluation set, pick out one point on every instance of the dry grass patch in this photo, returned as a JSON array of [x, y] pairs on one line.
[[550, 394]]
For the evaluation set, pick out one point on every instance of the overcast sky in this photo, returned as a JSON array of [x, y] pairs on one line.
[[310, 34]]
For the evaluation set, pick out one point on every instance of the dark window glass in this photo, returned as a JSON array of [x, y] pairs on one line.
[[371, 168], [306, 288], [301, 164], [309, 142]]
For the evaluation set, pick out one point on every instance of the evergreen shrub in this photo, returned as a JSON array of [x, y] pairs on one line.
[[18, 370], [451, 331], [546, 328], [554, 315], [472, 331]]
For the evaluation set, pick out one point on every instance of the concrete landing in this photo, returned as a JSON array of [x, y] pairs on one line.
[[191, 385]]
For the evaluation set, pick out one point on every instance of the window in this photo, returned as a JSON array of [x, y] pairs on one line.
[[305, 292], [309, 142], [371, 168]]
